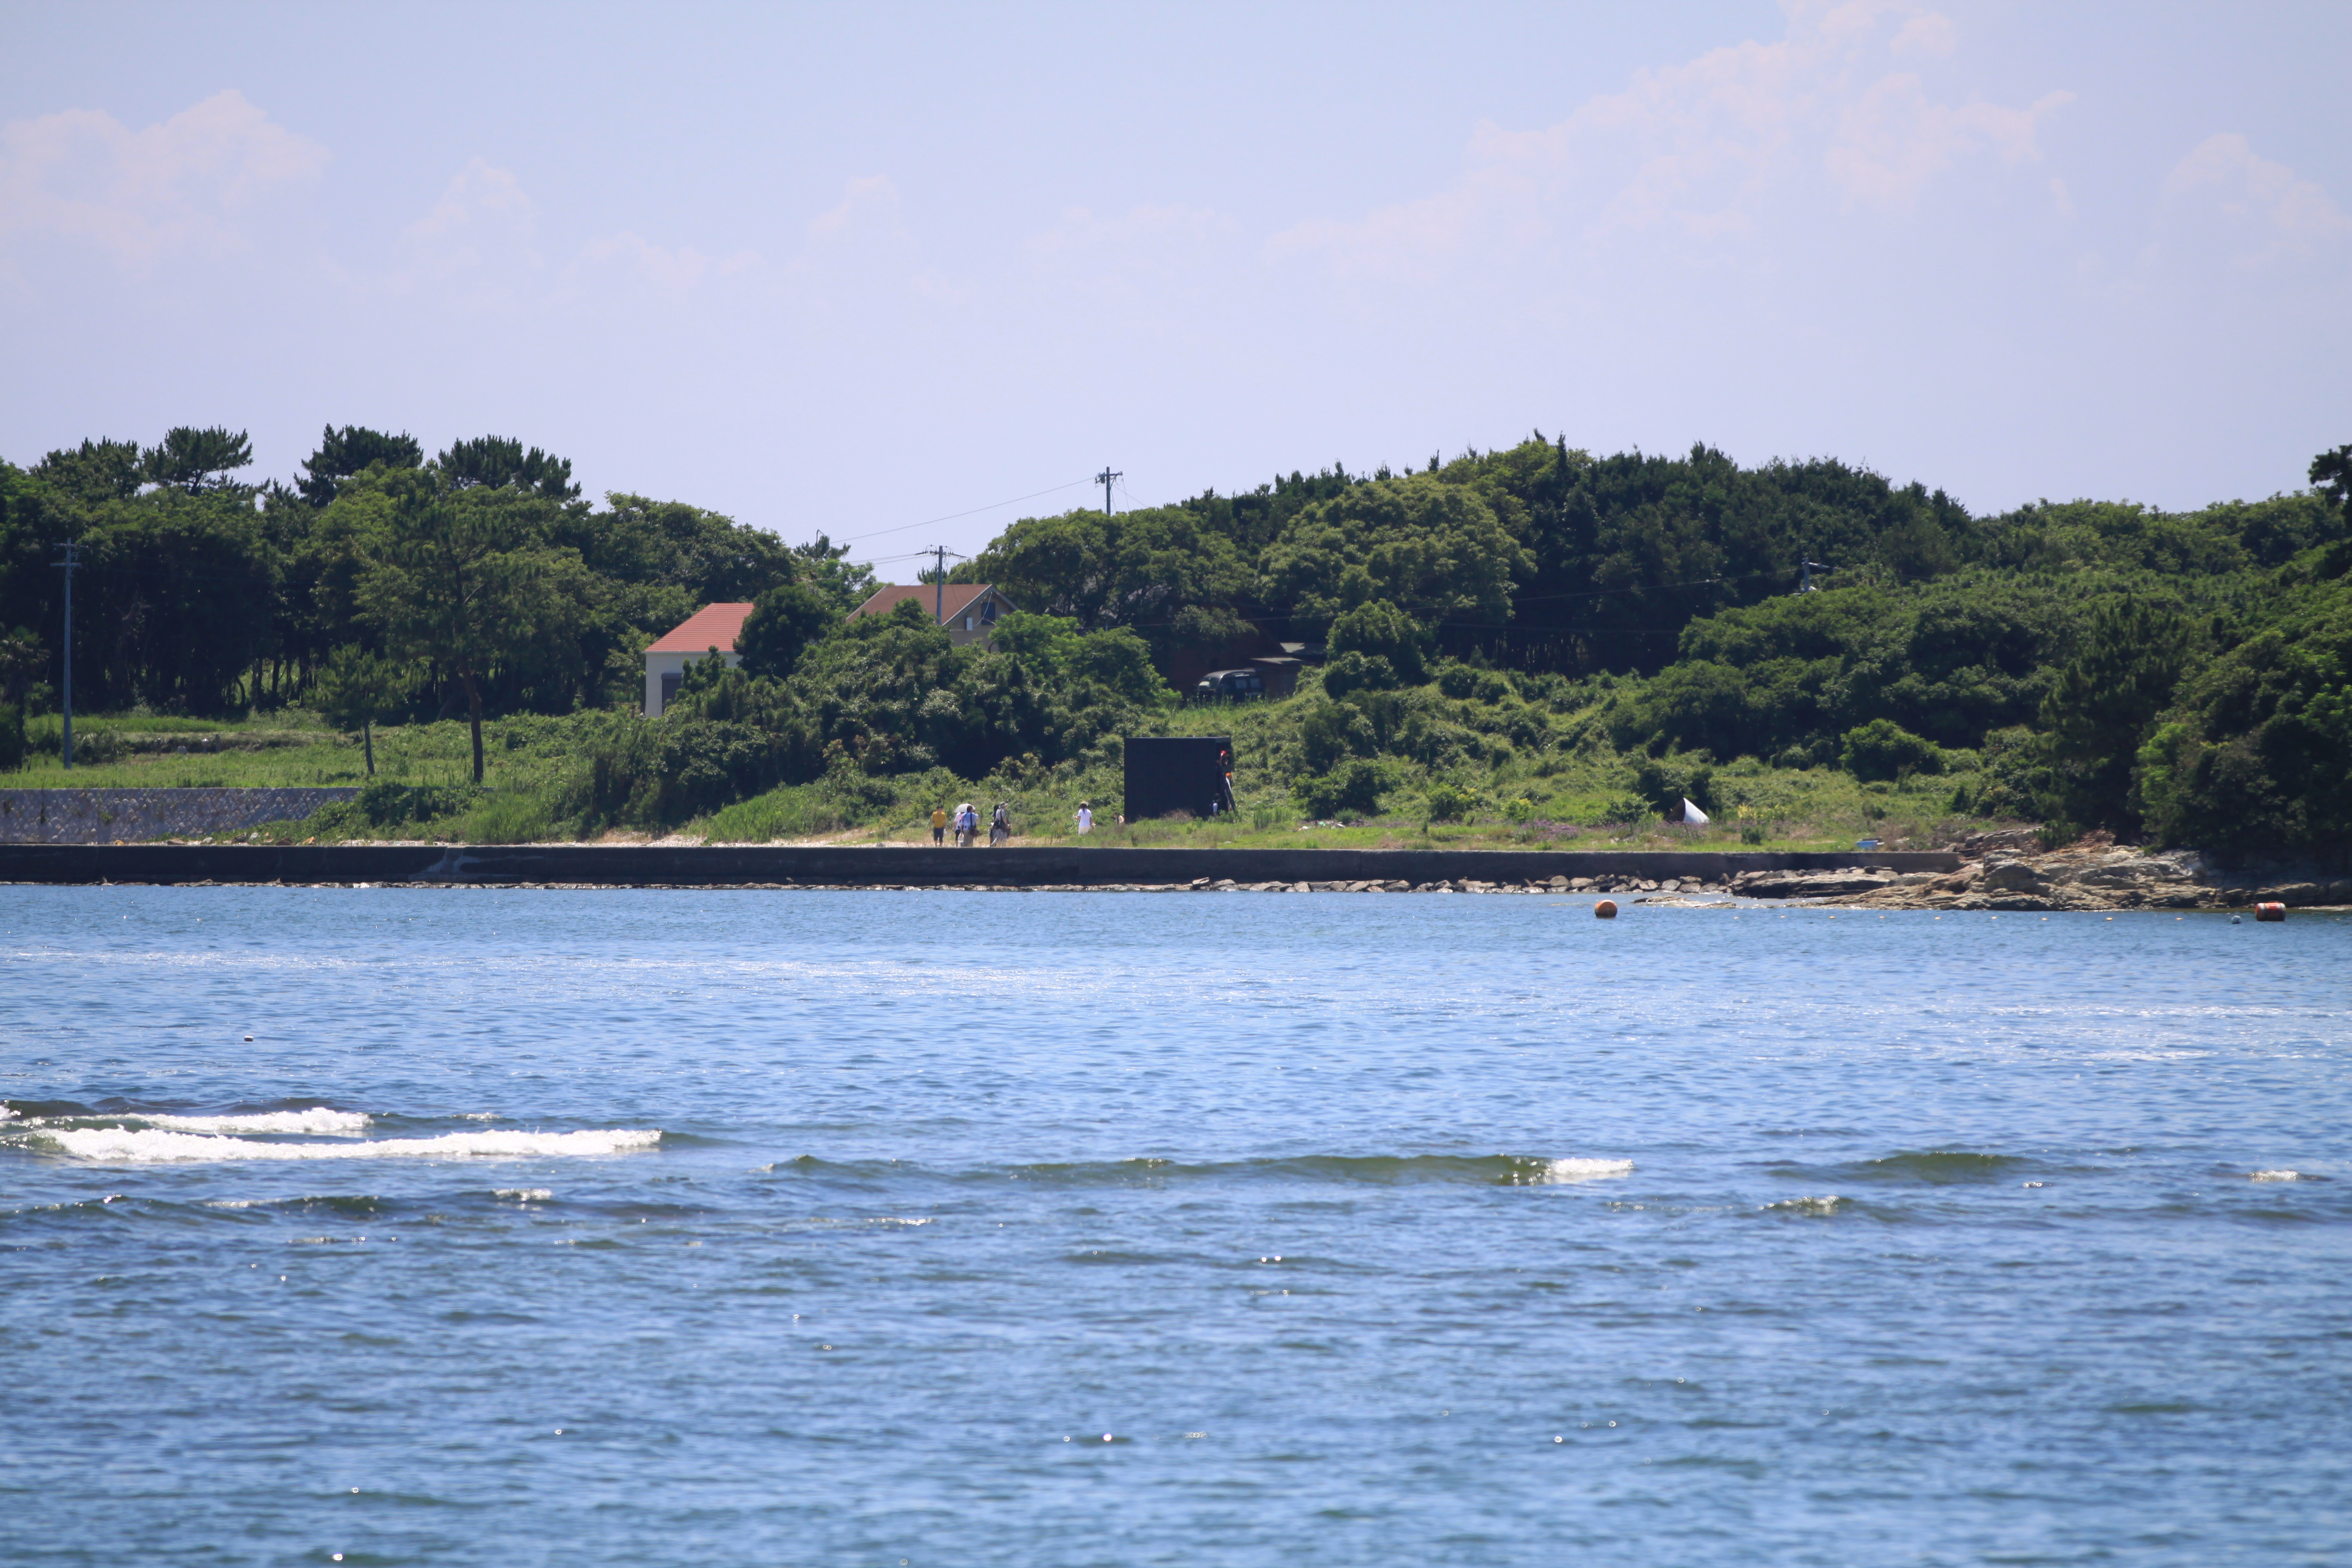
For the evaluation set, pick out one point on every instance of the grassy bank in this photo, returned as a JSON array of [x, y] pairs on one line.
[[1574, 792]]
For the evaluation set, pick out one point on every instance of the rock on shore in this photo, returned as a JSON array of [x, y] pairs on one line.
[[2004, 872]]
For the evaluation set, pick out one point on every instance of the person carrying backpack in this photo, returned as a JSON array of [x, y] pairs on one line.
[[1000, 825]]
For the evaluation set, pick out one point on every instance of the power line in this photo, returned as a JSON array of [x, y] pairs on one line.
[[973, 512]]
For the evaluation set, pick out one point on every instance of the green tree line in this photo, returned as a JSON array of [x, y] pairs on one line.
[[475, 583], [2173, 675]]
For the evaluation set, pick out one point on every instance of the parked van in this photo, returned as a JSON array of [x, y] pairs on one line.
[[1230, 685]]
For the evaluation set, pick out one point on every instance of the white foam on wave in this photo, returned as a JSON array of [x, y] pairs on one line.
[[1827, 1204], [318, 1118], [155, 1146], [523, 1194], [1561, 1172], [2276, 1177]]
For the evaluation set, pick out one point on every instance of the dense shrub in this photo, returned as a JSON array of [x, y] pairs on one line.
[[1882, 749], [2256, 753], [384, 804], [1665, 782], [2012, 780], [782, 623], [1447, 802], [1354, 788], [1356, 670], [1378, 630]]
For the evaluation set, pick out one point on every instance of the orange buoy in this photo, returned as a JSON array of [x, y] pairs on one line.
[[1606, 908], [2269, 912]]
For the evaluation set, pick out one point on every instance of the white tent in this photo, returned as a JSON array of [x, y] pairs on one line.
[[1692, 814]]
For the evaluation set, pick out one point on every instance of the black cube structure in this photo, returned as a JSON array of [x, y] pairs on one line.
[[1166, 774]]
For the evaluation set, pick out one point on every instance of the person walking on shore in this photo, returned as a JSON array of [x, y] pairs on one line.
[[967, 824], [1000, 825], [1086, 818], [939, 825]]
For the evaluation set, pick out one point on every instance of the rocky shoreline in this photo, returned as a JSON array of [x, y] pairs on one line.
[[2000, 873], [2009, 871]]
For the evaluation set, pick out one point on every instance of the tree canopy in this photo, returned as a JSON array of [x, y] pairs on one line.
[[2094, 663]]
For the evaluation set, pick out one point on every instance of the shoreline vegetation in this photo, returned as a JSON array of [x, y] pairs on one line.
[[421, 794], [1529, 647]]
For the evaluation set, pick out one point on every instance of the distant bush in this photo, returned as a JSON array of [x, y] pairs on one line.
[[792, 811], [12, 740], [1358, 671], [1380, 631], [1353, 787], [509, 819], [388, 804], [2012, 780], [1882, 749], [1449, 802], [782, 623], [1665, 782]]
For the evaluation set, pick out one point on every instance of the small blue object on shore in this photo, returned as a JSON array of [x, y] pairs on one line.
[[1866, 844]]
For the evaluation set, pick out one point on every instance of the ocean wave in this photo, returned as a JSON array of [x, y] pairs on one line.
[[157, 1146], [1564, 1171], [1378, 1170], [318, 1118], [308, 1118], [1932, 1167], [2282, 1177], [1827, 1204]]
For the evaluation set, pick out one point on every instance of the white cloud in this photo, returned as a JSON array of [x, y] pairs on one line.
[[482, 234], [628, 259], [140, 196], [2263, 211], [1702, 156], [1895, 140]]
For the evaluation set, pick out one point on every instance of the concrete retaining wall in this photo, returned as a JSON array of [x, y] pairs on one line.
[[840, 865], [130, 816]]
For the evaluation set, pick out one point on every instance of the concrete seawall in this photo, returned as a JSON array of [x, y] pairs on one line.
[[129, 816], [848, 865]]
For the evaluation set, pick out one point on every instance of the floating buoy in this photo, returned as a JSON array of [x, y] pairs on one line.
[[1605, 909], [2269, 912]]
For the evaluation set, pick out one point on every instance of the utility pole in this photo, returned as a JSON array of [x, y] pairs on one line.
[[69, 563], [1104, 480], [1807, 566], [940, 552]]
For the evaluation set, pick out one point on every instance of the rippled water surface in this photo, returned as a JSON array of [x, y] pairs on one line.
[[948, 1228]]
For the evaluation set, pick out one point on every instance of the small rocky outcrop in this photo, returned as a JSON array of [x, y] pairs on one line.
[[2009, 871], [1851, 882]]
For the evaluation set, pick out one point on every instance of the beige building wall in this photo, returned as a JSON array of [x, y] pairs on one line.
[[674, 663]]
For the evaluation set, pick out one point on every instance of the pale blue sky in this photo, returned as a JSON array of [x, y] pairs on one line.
[[854, 267]]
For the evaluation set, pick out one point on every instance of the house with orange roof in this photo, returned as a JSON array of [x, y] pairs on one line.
[[968, 610], [711, 627]]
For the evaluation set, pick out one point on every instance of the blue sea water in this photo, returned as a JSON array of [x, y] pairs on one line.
[[651, 1228]]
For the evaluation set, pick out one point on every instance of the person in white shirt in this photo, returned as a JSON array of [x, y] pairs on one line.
[[1086, 818]]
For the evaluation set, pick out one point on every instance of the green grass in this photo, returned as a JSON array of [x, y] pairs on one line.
[[1575, 791]]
